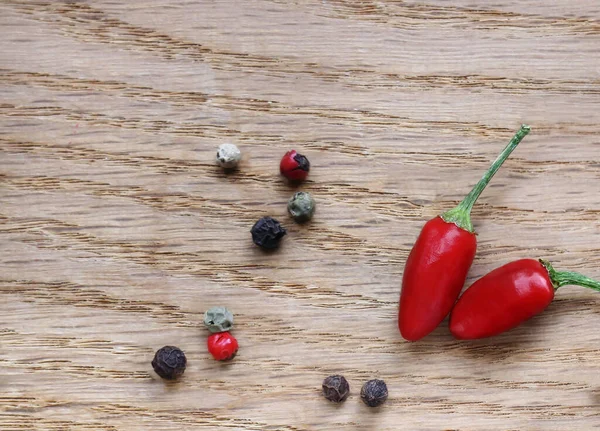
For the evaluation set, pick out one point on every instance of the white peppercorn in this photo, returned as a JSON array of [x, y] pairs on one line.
[[228, 156]]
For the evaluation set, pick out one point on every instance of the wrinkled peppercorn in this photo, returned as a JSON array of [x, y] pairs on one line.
[[336, 388], [301, 206], [374, 393], [218, 319], [267, 232], [169, 362]]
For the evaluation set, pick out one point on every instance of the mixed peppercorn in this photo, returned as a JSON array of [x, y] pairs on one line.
[[373, 393], [169, 362], [434, 275], [221, 344]]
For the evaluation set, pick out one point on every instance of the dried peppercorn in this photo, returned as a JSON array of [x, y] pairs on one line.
[[228, 156], [294, 166], [222, 346], [374, 393], [336, 388], [218, 319], [169, 362], [267, 233], [301, 206]]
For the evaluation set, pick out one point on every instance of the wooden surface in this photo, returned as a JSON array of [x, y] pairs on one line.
[[118, 231]]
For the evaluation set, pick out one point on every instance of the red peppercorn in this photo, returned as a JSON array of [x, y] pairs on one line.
[[294, 166], [222, 346]]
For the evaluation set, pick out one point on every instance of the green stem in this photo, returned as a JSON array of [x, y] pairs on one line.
[[564, 278], [461, 214]]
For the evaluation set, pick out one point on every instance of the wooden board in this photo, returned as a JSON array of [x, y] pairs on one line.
[[119, 231]]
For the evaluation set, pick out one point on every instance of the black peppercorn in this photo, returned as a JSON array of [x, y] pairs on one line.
[[267, 232], [169, 362], [374, 393], [336, 388]]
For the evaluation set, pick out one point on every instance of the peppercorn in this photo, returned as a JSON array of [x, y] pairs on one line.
[[301, 206], [336, 388], [267, 232], [218, 319], [169, 362], [294, 166], [374, 393], [222, 346], [228, 156]]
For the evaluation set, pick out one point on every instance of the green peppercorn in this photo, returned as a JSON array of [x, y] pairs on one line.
[[374, 393], [301, 206], [218, 319]]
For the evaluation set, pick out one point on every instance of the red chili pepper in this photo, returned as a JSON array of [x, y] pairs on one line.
[[437, 266], [294, 166], [222, 346], [508, 296]]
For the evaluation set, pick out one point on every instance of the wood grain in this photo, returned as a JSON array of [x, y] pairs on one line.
[[118, 230]]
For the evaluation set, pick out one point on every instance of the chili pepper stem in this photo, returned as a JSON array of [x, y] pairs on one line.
[[565, 278], [461, 214]]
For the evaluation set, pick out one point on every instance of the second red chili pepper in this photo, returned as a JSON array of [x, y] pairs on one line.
[[438, 263], [508, 296]]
